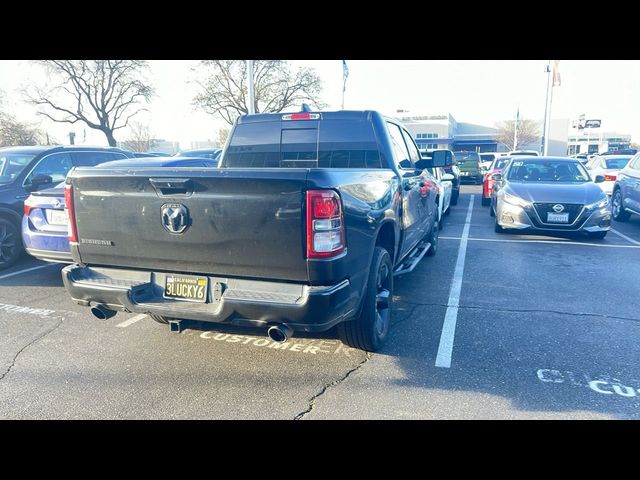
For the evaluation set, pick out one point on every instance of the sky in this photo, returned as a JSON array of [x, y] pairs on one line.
[[477, 91]]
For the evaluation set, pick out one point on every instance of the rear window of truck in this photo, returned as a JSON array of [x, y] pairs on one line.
[[303, 144]]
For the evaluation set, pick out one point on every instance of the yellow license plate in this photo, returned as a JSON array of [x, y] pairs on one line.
[[186, 287]]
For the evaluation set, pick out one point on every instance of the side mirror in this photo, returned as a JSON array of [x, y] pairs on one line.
[[599, 178], [38, 181], [496, 177], [447, 177], [424, 163], [442, 158]]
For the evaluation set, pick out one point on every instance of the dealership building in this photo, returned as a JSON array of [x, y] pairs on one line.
[[588, 136]]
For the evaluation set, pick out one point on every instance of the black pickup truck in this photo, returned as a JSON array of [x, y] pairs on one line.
[[301, 227]]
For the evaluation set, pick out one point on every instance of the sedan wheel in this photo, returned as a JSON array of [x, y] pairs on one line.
[[618, 212]]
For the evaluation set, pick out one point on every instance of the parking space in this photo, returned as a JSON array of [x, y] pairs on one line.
[[540, 327]]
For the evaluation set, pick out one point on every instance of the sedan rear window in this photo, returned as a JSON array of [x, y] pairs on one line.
[[617, 163]]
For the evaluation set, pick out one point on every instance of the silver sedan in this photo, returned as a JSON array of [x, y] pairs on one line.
[[544, 194]]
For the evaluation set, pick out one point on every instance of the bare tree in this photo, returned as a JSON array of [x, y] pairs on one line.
[[14, 132], [223, 134], [104, 94], [528, 133], [224, 90], [140, 138]]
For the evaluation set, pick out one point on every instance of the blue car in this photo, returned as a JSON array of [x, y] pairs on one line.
[[626, 191], [212, 153], [44, 224]]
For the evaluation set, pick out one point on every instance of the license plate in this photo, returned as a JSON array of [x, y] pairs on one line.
[[186, 287], [56, 217], [557, 217], [466, 174]]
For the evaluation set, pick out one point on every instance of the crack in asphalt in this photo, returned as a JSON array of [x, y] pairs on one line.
[[39, 337], [312, 400], [508, 310]]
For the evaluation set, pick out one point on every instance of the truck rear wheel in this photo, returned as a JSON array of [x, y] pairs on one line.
[[369, 330]]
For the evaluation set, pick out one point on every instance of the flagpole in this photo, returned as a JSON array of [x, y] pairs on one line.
[[515, 130], [251, 106], [345, 74], [547, 113]]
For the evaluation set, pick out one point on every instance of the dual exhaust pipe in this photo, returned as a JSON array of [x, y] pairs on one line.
[[277, 333]]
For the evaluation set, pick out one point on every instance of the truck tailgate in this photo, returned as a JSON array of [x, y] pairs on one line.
[[239, 222]]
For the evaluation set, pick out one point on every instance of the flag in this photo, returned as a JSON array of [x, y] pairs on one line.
[[556, 74], [345, 71]]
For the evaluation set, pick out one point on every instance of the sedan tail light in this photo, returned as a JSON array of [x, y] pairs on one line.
[[610, 178]]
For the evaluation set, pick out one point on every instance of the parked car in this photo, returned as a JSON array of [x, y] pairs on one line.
[[626, 191], [302, 228], [550, 194], [444, 181], [486, 159], [212, 153], [608, 166], [469, 165], [450, 168], [487, 188], [150, 154], [44, 224], [24, 170], [582, 157], [623, 151], [526, 153]]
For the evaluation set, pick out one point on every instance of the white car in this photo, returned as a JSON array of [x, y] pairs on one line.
[[445, 186], [527, 153], [608, 166], [486, 159]]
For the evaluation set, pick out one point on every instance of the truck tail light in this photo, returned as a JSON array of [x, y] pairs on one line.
[[71, 216], [325, 224]]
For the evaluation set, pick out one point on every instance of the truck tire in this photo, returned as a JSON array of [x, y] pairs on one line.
[[369, 330], [160, 319], [10, 243]]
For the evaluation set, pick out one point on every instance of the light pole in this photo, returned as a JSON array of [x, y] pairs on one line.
[[547, 112], [252, 108]]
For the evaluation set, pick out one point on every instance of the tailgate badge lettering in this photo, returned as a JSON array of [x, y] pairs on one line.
[[175, 217]]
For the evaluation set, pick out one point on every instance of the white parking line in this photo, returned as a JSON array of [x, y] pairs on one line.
[[27, 270], [628, 239], [541, 241], [131, 321], [445, 349]]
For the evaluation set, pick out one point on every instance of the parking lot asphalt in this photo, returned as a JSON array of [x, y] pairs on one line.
[[494, 326]]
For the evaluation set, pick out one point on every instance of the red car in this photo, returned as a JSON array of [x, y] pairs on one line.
[[487, 185]]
